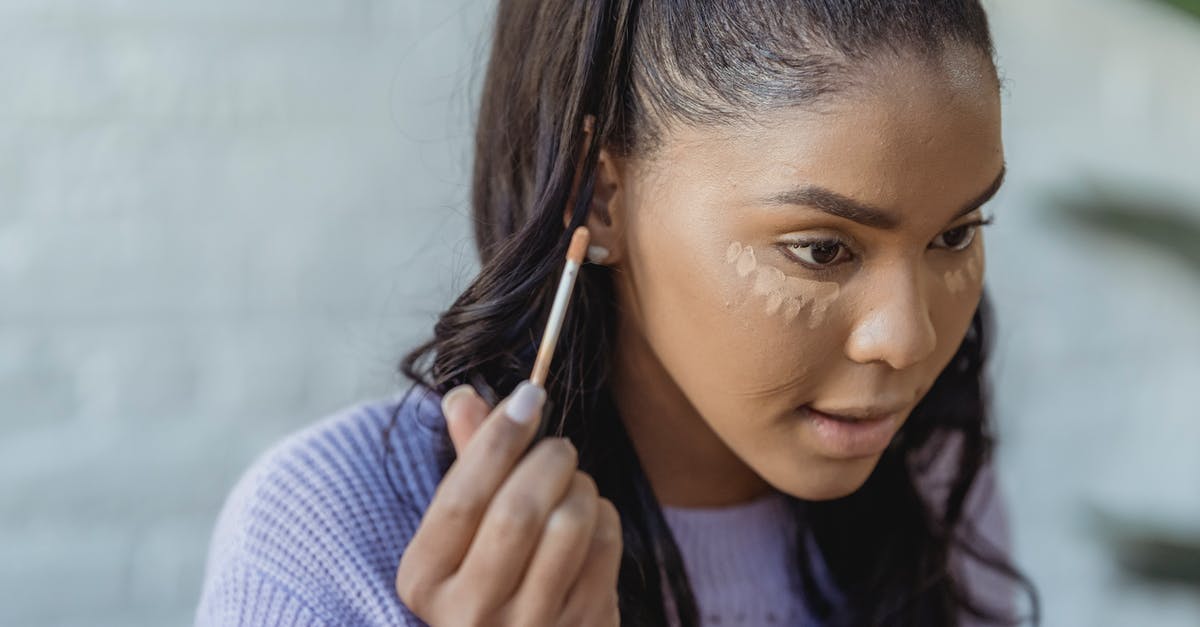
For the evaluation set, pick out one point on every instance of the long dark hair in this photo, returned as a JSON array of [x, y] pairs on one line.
[[638, 67]]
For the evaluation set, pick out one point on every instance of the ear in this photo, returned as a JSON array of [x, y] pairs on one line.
[[605, 219]]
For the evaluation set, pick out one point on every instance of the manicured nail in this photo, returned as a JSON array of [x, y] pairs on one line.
[[453, 394], [525, 402]]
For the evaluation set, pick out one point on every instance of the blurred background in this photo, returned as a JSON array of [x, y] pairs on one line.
[[221, 221]]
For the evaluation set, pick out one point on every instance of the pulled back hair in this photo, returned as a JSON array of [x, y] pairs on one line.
[[640, 67]]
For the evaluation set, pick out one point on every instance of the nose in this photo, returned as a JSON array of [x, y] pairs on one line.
[[895, 326]]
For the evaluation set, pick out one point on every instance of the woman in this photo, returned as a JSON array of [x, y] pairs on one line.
[[769, 386]]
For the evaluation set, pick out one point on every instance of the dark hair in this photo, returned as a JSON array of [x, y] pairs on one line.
[[639, 67]]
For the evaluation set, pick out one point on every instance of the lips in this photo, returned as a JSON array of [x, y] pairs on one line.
[[868, 413], [848, 436]]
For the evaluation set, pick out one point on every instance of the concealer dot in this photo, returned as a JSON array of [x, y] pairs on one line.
[[782, 294], [956, 280]]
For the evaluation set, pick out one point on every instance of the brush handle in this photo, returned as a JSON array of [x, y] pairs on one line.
[[541, 366]]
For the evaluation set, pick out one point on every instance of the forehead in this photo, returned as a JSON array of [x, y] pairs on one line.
[[913, 134]]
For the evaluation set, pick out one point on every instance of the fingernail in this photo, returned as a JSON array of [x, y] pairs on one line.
[[525, 402], [453, 394]]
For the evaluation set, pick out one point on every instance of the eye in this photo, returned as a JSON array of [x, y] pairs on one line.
[[818, 254], [960, 237]]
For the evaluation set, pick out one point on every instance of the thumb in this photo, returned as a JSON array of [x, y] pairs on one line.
[[464, 411]]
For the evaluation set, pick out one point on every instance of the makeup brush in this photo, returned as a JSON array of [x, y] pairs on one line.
[[558, 311]]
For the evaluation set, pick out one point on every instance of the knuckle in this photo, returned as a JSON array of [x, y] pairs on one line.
[[532, 612], [414, 591], [609, 514], [608, 539], [471, 617], [585, 483], [477, 617], [500, 434], [470, 610], [571, 451], [576, 514], [499, 440], [569, 519], [598, 610], [608, 526], [561, 450], [516, 514], [460, 507]]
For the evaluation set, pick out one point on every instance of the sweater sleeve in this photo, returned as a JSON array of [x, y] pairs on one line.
[[243, 596], [244, 579], [312, 532]]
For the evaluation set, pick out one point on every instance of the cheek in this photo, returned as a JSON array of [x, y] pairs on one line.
[[738, 336], [966, 280], [954, 302]]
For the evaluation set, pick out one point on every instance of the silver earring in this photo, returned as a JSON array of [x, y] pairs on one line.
[[597, 254]]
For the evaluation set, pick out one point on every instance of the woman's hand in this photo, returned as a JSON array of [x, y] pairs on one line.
[[510, 540]]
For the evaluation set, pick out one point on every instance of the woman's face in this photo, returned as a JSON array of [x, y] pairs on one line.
[[820, 259]]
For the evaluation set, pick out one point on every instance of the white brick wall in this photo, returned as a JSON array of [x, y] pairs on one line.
[[221, 220], [218, 222]]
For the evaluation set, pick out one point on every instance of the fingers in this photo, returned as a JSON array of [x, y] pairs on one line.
[[463, 496], [559, 555], [592, 600], [464, 412], [512, 526]]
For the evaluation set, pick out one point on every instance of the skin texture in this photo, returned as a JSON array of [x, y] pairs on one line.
[[724, 333]]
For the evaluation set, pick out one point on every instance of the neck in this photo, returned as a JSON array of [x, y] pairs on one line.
[[685, 461]]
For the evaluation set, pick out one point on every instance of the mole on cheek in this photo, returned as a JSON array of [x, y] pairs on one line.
[[781, 292]]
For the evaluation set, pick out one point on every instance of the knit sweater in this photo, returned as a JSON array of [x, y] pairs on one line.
[[741, 562], [312, 532]]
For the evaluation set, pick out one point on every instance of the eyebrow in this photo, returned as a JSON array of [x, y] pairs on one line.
[[841, 206]]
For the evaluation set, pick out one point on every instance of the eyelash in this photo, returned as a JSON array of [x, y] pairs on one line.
[[827, 243]]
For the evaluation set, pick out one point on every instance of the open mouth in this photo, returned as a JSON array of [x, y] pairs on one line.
[[843, 436]]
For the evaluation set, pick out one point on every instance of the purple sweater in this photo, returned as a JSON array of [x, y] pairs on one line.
[[312, 533]]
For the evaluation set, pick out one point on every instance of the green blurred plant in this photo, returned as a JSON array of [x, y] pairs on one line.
[[1143, 216], [1147, 549], [1150, 551], [1188, 6]]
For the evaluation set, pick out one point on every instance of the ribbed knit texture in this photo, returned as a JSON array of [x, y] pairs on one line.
[[312, 533], [741, 561]]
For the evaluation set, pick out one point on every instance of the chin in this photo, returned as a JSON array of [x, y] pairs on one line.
[[832, 479]]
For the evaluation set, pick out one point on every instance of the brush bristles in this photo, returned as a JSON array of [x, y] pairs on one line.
[[579, 245]]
